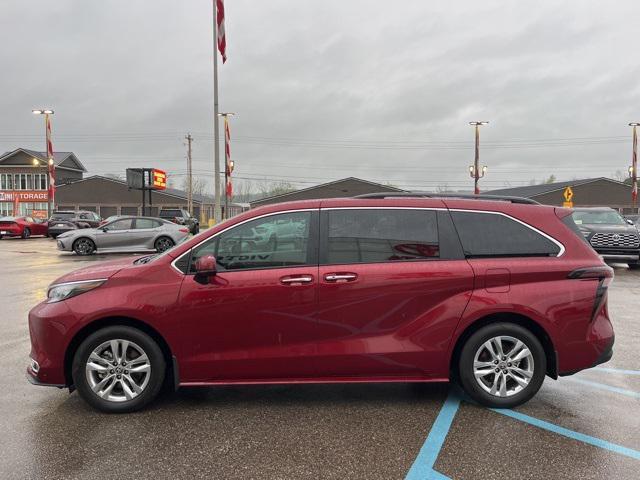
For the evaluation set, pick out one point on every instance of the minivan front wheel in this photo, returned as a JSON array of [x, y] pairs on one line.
[[118, 369], [502, 365]]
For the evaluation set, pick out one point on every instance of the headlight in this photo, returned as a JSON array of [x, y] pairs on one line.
[[62, 291]]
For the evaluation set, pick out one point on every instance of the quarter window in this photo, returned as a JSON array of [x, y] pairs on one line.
[[277, 241], [384, 235], [145, 223], [494, 235]]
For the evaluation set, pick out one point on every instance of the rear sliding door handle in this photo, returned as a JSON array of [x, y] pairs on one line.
[[296, 280], [340, 277]]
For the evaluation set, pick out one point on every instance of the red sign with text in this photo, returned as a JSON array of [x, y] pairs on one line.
[[24, 196], [158, 179]]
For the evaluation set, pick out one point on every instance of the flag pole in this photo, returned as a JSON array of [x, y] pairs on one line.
[[216, 130]]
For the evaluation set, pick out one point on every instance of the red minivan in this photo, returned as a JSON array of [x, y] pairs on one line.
[[496, 293]]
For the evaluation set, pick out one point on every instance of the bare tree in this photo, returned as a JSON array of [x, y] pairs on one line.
[[199, 185], [444, 188]]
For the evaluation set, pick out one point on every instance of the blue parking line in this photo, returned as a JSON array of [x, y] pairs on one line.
[[422, 467], [602, 386], [617, 370], [596, 442]]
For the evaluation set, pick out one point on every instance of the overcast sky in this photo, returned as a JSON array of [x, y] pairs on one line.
[[328, 89]]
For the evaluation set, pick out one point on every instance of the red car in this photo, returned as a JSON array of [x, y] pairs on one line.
[[497, 293], [22, 227]]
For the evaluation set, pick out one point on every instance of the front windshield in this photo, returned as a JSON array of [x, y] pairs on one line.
[[598, 217]]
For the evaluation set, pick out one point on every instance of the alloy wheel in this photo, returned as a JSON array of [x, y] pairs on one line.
[[163, 244], [503, 366], [118, 370], [84, 246]]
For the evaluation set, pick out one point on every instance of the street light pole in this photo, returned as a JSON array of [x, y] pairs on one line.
[[474, 170], [216, 127], [50, 162], [634, 166]]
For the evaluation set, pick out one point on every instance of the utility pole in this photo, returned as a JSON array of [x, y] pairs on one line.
[[474, 170], [189, 175], [216, 130], [633, 170], [51, 166]]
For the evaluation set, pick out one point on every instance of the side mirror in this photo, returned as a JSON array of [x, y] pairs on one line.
[[630, 222], [104, 229], [205, 267]]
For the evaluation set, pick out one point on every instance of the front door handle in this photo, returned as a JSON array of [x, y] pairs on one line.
[[296, 279], [340, 277]]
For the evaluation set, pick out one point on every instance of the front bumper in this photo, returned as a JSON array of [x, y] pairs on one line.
[[64, 244], [33, 380]]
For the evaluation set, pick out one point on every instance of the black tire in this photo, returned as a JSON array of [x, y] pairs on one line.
[[163, 244], [53, 236], [634, 266], [196, 229], [466, 366], [26, 233], [272, 245], [137, 338], [84, 246]]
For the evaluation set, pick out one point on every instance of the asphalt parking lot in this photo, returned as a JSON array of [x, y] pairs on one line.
[[585, 426]]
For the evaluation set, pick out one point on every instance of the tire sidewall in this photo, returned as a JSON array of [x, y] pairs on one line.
[[151, 348], [82, 253], [465, 364], [26, 233]]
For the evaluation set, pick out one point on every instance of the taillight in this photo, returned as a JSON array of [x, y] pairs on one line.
[[604, 275], [184, 230], [599, 271]]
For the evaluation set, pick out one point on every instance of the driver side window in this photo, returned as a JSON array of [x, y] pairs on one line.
[[119, 225], [276, 241]]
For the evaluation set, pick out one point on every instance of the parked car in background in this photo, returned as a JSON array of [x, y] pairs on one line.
[[496, 294], [23, 227], [64, 221], [609, 234], [181, 217], [124, 234]]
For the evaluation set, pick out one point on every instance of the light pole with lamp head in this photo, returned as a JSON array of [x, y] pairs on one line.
[[633, 169], [474, 170], [51, 183]]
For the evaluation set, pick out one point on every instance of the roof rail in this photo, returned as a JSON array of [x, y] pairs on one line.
[[465, 196]]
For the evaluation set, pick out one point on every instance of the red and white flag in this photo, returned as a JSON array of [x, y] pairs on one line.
[[50, 162], [222, 38], [227, 157]]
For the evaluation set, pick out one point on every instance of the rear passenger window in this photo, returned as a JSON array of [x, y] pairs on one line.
[[385, 235], [494, 235]]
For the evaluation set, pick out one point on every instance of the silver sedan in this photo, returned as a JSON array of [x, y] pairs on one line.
[[124, 234]]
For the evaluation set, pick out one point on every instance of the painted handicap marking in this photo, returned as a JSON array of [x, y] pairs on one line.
[[616, 370], [596, 442], [603, 386], [422, 467]]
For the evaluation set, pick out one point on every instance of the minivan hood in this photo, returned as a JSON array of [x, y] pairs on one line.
[[97, 271]]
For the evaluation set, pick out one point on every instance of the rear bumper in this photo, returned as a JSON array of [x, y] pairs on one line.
[[619, 257], [10, 232], [604, 357], [59, 231]]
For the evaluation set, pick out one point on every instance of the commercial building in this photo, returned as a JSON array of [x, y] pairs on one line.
[[24, 179], [588, 192], [109, 196], [347, 187]]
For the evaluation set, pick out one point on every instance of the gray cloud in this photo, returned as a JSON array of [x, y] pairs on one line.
[[326, 89]]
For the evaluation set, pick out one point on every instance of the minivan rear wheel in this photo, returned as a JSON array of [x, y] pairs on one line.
[[118, 369], [502, 365]]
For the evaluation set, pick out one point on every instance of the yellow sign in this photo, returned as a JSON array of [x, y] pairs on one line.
[[568, 195], [567, 204]]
